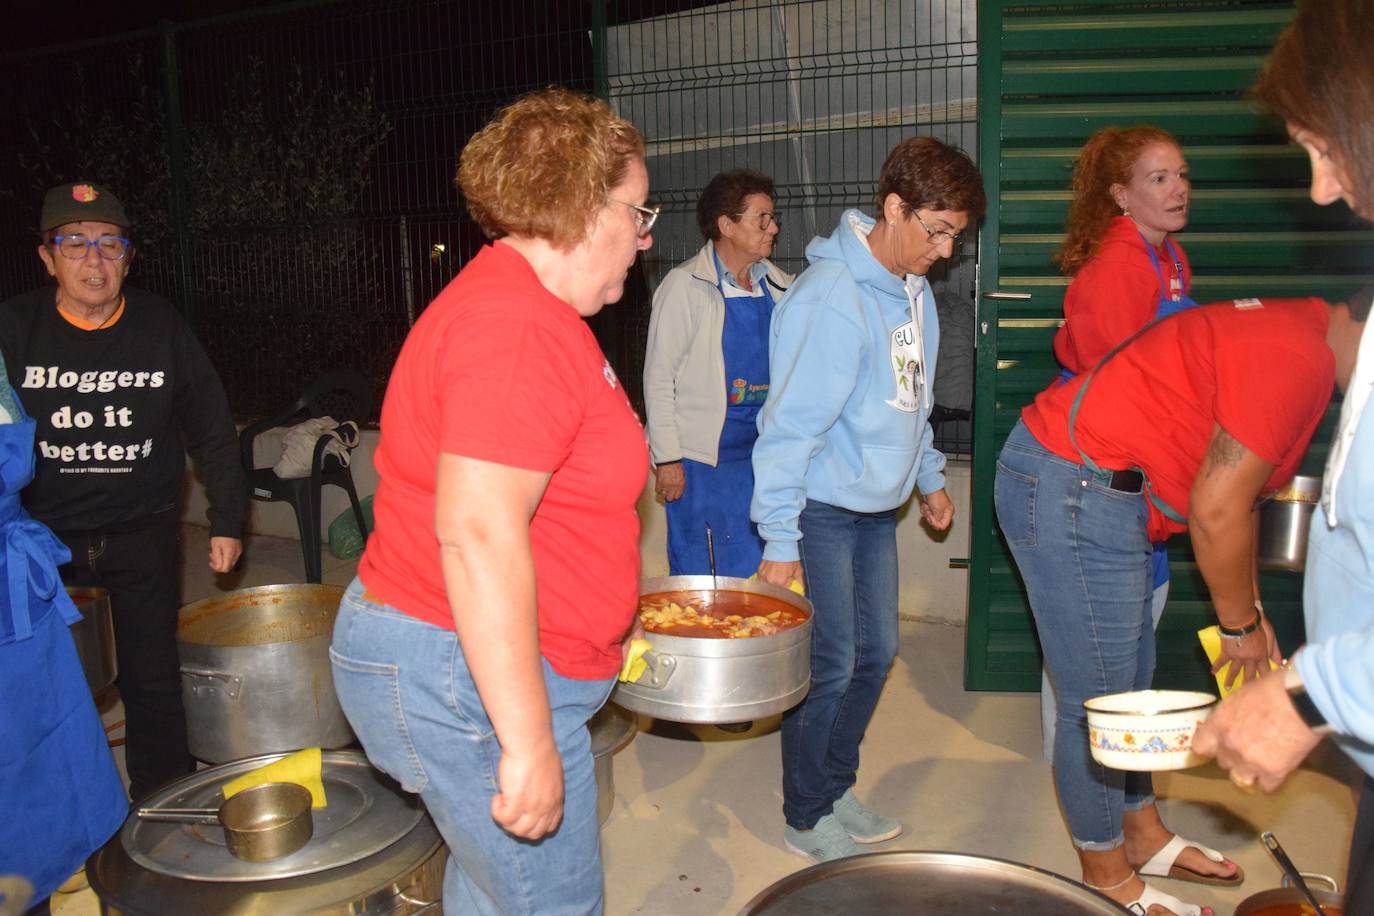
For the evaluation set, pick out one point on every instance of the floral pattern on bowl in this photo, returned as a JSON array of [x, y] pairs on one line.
[[1146, 730]]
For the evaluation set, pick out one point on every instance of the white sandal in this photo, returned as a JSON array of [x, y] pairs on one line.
[[1161, 865], [1152, 897]]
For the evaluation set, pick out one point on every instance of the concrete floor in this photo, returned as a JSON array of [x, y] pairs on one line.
[[697, 825]]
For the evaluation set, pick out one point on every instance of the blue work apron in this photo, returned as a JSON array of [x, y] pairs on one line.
[[63, 795], [1170, 301], [719, 496]]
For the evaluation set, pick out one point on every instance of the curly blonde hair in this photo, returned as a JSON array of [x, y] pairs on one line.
[[545, 165], [1106, 159]]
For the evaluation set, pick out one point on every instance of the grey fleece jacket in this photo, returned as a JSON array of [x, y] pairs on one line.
[[684, 364]]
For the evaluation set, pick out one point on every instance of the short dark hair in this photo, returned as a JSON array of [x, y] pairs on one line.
[[1359, 301], [929, 175], [724, 195]]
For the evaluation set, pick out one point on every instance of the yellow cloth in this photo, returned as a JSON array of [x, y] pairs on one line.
[[303, 768], [635, 665], [795, 585], [1210, 637]]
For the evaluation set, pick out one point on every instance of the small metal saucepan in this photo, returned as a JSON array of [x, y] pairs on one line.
[[261, 823], [1289, 901]]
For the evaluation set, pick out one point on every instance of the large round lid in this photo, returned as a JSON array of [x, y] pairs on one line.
[[366, 813], [928, 883]]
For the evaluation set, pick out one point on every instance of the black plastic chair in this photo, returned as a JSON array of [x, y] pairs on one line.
[[343, 394]]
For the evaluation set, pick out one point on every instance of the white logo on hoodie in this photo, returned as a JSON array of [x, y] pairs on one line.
[[908, 370]]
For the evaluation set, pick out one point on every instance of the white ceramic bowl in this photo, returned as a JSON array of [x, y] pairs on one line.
[[1147, 729]]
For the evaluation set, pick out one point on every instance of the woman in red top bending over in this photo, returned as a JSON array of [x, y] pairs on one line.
[[1130, 191]]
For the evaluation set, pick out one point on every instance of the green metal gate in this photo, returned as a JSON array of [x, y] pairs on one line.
[[1050, 74]]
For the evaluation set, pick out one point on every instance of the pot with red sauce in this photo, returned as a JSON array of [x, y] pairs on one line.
[[742, 653]]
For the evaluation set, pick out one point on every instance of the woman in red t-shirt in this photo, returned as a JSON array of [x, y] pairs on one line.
[[486, 623]]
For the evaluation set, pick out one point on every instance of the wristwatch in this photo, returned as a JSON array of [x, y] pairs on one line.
[[1302, 702]]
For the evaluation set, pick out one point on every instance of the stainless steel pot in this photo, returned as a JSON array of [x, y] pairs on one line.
[[255, 675], [93, 635], [930, 884], [404, 879], [717, 681], [1284, 521], [611, 728], [1289, 901]]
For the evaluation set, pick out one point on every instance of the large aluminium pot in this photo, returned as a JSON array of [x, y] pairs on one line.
[[403, 879], [1284, 520], [611, 729], [93, 635], [255, 675], [374, 852], [714, 681], [927, 884]]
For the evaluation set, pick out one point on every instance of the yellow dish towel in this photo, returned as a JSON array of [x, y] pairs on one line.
[[796, 585], [1210, 637], [635, 665], [303, 768]]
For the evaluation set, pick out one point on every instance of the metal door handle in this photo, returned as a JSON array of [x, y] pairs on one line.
[[1016, 297]]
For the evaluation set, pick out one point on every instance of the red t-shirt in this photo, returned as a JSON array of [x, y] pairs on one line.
[[1114, 294], [1260, 369], [500, 369]]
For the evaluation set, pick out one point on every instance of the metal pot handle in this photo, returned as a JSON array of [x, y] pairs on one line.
[[233, 683], [660, 670], [425, 906], [1310, 877]]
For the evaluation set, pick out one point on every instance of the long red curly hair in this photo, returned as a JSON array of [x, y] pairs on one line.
[[1106, 159]]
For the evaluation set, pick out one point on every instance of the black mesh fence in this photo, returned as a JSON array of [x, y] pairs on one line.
[[290, 172]]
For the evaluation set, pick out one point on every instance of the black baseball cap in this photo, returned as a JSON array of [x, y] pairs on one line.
[[78, 202]]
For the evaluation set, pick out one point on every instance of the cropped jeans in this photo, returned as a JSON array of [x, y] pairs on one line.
[[406, 689], [1084, 558], [850, 562]]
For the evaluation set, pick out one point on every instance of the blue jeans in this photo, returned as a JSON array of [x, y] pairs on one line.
[[1085, 561], [408, 694], [850, 561]]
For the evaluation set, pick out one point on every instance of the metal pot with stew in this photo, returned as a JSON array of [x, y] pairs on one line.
[[723, 650]]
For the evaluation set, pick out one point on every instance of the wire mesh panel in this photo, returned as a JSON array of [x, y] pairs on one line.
[[290, 172], [812, 93]]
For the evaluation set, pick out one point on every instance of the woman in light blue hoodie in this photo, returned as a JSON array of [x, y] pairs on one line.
[[843, 441]]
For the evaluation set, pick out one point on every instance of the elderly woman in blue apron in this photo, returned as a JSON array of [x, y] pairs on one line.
[[63, 796], [706, 377], [1130, 192]]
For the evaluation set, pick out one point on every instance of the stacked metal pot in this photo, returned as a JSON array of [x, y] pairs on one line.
[[257, 685]]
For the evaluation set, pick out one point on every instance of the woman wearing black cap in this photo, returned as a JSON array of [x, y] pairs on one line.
[[121, 391]]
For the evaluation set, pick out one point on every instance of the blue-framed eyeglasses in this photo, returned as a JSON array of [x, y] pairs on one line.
[[74, 247]]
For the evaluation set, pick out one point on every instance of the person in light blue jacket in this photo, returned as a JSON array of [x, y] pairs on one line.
[[843, 442], [1319, 80]]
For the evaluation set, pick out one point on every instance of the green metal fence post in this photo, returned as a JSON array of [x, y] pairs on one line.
[[176, 155]]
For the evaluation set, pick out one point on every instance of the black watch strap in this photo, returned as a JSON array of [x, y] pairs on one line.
[[1302, 702]]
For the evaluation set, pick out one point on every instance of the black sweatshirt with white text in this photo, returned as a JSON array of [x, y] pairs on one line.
[[117, 409]]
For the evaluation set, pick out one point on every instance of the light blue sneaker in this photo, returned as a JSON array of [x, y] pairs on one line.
[[862, 825], [825, 842]]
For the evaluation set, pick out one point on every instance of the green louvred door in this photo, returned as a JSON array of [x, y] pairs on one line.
[[1051, 73]]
